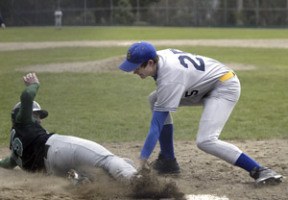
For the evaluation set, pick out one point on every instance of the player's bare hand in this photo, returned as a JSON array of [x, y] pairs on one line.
[[30, 78]]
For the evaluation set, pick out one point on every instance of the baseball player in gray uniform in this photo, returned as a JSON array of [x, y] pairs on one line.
[[186, 79], [2, 24], [34, 149]]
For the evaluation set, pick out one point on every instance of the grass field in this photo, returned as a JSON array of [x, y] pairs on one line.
[[113, 106], [136, 33]]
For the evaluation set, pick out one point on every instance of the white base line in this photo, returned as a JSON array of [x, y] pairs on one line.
[[204, 197]]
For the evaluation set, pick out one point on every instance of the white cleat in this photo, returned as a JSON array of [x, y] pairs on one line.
[[76, 178], [264, 175]]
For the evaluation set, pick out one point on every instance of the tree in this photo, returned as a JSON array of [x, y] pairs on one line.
[[123, 13]]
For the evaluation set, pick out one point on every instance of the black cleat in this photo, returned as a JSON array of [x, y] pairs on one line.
[[166, 166]]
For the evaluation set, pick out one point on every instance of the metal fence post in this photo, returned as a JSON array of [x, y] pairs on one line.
[[138, 11], [167, 12], [85, 12], [257, 12], [225, 12], [286, 12], [111, 12]]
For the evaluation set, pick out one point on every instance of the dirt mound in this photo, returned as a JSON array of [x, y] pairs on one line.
[[105, 65]]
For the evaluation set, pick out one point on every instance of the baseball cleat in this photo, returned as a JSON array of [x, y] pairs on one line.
[[76, 178], [264, 175], [271, 181], [166, 166]]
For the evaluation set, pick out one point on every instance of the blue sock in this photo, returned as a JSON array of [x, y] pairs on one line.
[[166, 142], [245, 162]]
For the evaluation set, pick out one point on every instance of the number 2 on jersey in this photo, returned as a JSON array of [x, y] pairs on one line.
[[183, 58]]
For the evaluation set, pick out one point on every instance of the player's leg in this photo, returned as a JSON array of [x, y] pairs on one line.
[[68, 152], [166, 141], [217, 109], [119, 168], [166, 161], [214, 116], [63, 158], [59, 156], [89, 153]]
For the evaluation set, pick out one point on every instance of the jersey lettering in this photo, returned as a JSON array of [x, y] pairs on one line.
[[199, 66], [191, 93], [183, 58]]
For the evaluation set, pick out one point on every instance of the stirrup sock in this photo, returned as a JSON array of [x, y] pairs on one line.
[[166, 141], [245, 162]]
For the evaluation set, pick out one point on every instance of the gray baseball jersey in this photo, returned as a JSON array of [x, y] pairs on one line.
[[184, 77], [187, 79]]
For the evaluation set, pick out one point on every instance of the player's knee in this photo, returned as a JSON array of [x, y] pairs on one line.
[[205, 144], [200, 144]]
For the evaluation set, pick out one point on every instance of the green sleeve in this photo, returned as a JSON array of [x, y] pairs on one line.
[[27, 97], [7, 163]]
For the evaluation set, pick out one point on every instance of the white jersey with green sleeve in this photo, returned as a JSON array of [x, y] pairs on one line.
[[184, 77]]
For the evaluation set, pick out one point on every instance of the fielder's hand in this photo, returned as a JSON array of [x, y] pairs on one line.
[[30, 79], [144, 166]]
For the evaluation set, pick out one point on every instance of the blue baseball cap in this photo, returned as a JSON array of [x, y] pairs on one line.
[[137, 54]]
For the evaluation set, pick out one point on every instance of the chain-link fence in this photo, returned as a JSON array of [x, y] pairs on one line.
[[261, 13]]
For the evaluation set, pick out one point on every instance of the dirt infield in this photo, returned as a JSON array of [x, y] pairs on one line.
[[248, 43], [201, 174]]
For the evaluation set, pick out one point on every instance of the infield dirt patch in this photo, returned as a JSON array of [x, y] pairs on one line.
[[201, 174], [245, 43]]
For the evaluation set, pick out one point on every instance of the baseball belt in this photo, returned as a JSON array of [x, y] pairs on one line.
[[227, 76]]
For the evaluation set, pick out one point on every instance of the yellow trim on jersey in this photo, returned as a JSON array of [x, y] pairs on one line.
[[227, 76]]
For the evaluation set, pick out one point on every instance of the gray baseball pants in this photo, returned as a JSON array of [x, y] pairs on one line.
[[69, 152]]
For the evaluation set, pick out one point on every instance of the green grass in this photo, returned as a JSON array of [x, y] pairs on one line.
[[35, 34], [113, 106]]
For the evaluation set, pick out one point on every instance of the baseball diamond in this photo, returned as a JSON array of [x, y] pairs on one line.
[[202, 177]]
